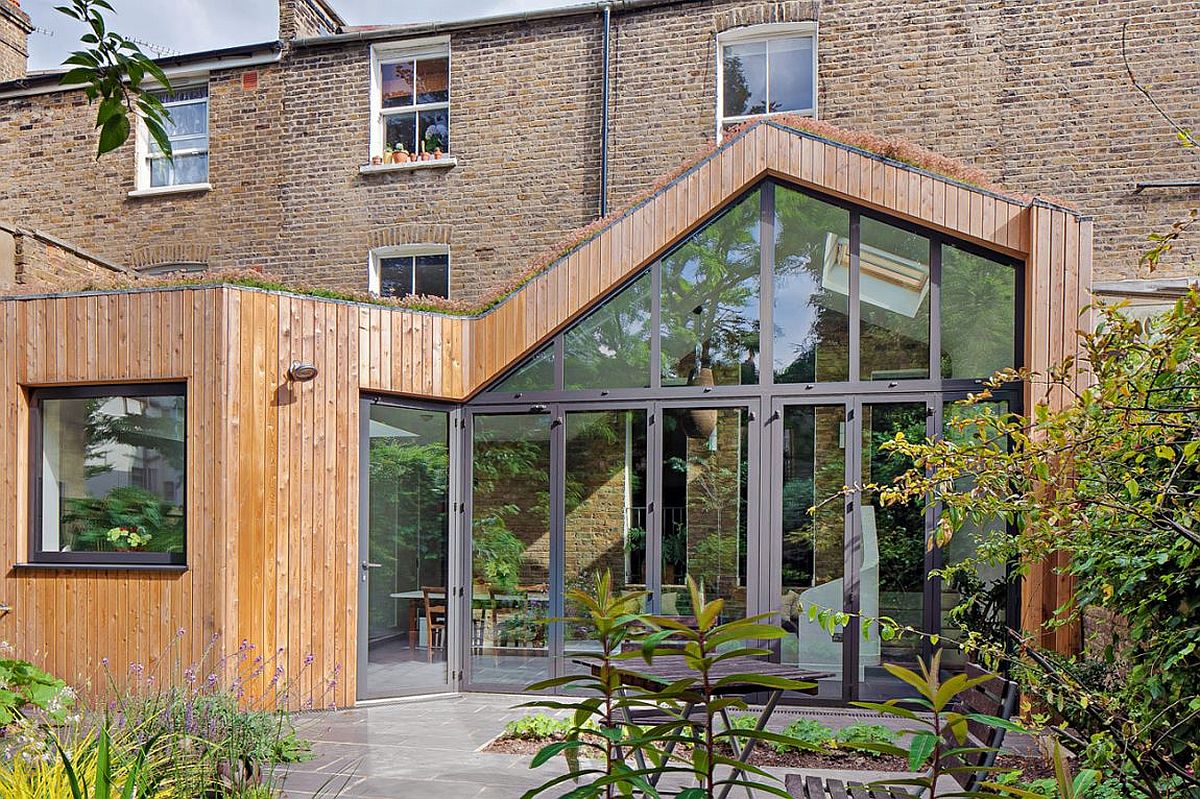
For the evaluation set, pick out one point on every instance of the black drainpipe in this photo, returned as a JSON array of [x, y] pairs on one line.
[[604, 117]]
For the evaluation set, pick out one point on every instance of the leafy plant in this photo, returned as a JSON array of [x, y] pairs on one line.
[[91, 520], [939, 736], [112, 69], [133, 778], [1103, 480], [24, 685], [496, 553], [864, 737], [537, 727], [812, 734], [680, 744]]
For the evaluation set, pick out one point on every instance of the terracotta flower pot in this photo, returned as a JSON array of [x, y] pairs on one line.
[[376, 160], [701, 423], [437, 154]]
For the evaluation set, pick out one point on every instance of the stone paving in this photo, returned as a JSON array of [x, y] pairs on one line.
[[429, 749]]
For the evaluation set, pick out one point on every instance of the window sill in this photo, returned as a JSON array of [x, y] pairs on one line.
[[169, 568], [445, 162], [190, 188]]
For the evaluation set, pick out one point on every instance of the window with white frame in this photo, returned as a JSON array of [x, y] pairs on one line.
[[187, 130], [413, 270], [766, 69], [411, 99]]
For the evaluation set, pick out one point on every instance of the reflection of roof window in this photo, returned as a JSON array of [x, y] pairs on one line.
[[886, 280]]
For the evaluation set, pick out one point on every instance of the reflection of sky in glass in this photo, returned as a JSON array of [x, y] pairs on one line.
[[746, 90], [795, 313], [791, 74]]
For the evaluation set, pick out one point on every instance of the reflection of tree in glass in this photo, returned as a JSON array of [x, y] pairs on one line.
[[736, 90], [709, 295], [802, 227], [611, 347], [408, 518], [978, 315], [901, 528]]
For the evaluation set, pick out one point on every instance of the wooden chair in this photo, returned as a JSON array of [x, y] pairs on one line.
[[435, 619], [997, 697]]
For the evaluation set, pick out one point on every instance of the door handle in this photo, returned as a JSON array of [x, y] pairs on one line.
[[368, 565]]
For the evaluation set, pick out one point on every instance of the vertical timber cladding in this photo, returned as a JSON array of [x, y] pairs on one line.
[[272, 464]]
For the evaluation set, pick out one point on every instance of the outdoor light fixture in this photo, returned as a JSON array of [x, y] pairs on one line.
[[301, 372]]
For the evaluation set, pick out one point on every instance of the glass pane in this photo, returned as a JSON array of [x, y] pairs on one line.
[[408, 532], [705, 472], [710, 302], [979, 315], [510, 540], [182, 171], [744, 79], [605, 506], [986, 588], [435, 130], [397, 84], [190, 119], [814, 469], [396, 276], [812, 323], [433, 80], [400, 132], [894, 287], [610, 348], [113, 475], [892, 574], [433, 275], [536, 374], [791, 86]]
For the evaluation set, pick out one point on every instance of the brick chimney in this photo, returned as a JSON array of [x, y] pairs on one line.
[[301, 19], [15, 28]]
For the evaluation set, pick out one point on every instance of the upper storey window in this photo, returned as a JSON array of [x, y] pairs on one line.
[[766, 69], [411, 100], [187, 130]]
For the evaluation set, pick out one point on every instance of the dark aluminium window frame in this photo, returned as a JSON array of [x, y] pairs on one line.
[[164, 561], [762, 397], [767, 387]]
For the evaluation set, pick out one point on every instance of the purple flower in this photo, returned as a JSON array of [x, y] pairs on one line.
[[309, 658]]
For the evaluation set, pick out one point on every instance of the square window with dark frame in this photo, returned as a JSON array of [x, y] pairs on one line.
[[109, 475], [413, 100], [403, 275]]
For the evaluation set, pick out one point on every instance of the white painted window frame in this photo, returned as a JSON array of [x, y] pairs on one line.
[[142, 140], [391, 52], [374, 275], [762, 33]]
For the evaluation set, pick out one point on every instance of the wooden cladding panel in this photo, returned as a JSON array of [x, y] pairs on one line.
[[1058, 279]]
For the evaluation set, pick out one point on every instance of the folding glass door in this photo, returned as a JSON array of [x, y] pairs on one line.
[[651, 492], [849, 552]]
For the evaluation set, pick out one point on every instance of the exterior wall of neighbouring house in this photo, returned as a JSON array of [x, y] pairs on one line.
[[1034, 94], [15, 28], [33, 257]]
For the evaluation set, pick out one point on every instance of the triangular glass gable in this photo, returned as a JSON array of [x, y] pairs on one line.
[[536, 374]]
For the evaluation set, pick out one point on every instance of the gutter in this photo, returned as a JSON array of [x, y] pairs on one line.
[[247, 55], [424, 28]]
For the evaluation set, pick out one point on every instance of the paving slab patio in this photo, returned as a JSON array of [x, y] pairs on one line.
[[430, 749]]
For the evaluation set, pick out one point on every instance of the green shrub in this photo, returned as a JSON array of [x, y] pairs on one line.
[[23, 684], [743, 721], [813, 734], [859, 733], [537, 727]]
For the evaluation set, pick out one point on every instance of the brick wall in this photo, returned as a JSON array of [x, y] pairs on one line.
[[14, 40], [33, 258], [1032, 93]]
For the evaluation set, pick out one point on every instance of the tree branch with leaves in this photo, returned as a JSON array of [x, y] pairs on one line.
[[113, 70]]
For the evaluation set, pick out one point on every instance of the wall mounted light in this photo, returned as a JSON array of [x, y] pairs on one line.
[[301, 371]]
